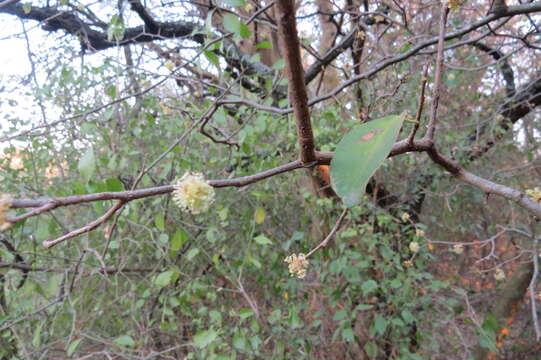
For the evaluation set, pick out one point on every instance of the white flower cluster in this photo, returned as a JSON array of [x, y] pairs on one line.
[[458, 249], [193, 193], [499, 274], [297, 265], [414, 247], [5, 204]]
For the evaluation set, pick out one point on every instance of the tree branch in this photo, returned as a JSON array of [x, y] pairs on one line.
[[289, 41]]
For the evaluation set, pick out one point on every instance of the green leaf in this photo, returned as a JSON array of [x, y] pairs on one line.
[[27, 8], [234, 25], [178, 240], [87, 164], [380, 324], [347, 335], [262, 240], [192, 253], [159, 221], [371, 350], [263, 45], [165, 278], [245, 313], [125, 340], [73, 346], [204, 338], [240, 341], [244, 31], [113, 184], [259, 215], [212, 57], [360, 153], [235, 3], [408, 316], [369, 286]]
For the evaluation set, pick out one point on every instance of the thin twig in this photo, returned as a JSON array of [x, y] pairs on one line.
[[533, 282], [329, 237], [420, 106], [439, 71], [88, 227]]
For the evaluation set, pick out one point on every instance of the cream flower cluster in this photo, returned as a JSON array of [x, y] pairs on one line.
[[499, 274], [193, 193], [405, 217], [5, 204], [414, 247], [297, 265], [458, 249]]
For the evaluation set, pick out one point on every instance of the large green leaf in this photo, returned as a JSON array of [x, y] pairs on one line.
[[360, 153]]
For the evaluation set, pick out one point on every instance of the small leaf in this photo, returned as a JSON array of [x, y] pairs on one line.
[[87, 164], [360, 153], [73, 346], [371, 350], [27, 8], [113, 184], [192, 253], [369, 286], [244, 31], [212, 58], [263, 45], [232, 23], [245, 313], [408, 316], [259, 215], [235, 3], [240, 341], [262, 240], [159, 221], [125, 340], [204, 338], [178, 240], [167, 277], [380, 324]]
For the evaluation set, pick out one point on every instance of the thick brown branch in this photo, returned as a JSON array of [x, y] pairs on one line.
[[289, 41]]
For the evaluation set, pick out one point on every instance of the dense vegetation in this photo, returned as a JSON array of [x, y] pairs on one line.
[[438, 260]]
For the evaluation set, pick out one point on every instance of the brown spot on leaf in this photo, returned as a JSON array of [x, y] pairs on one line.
[[370, 135]]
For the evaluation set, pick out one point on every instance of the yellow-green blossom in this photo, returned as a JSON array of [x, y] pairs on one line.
[[414, 246], [193, 193], [297, 265], [5, 204]]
